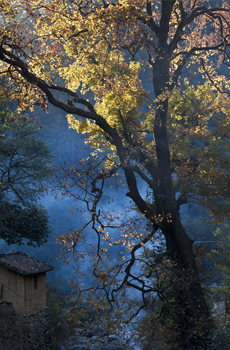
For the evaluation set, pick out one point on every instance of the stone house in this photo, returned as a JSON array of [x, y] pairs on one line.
[[23, 282]]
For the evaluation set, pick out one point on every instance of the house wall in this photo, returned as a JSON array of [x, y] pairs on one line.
[[34, 292], [12, 288], [27, 293]]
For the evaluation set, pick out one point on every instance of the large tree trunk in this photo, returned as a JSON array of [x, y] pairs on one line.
[[192, 314]]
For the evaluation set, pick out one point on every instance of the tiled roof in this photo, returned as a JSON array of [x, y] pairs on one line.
[[23, 264]]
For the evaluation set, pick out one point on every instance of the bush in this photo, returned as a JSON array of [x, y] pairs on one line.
[[61, 324]]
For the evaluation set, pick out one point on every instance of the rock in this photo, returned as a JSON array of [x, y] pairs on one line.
[[94, 338], [95, 331], [112, 338]]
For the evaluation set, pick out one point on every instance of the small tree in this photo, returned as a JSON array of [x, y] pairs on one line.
[[23, 171], [220, 337], [221, 259]]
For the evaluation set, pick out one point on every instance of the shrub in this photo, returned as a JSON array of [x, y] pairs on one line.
[[61, 325]]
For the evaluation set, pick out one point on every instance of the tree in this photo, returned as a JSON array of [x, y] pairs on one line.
[[99, 50], [199, 140], [23, 171]]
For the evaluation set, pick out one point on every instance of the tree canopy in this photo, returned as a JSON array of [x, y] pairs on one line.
[[117, 65], [23, 171]]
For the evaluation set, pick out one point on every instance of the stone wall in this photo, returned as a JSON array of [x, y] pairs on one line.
[[29, 332]]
